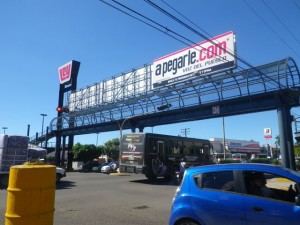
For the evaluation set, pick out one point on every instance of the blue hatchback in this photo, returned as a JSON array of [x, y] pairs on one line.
[[237, 194]]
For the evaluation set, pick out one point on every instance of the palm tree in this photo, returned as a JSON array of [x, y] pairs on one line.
[[277, 141]]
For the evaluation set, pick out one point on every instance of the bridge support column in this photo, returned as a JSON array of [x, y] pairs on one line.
[[286, 137], [57, 149], [70, 155], [63, 150], [46, 139]]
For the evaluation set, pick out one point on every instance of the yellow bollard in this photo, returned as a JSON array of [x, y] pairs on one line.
[[30, 195]]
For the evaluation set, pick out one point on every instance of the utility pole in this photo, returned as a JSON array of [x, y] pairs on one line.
[[4, 128], [185, 131]]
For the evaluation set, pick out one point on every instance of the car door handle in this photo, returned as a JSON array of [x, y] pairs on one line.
[[257, 209]]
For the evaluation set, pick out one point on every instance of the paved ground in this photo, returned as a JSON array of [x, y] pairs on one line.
[[95, 198]]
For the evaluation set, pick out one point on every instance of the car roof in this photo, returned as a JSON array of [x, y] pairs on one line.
[[244, 166]]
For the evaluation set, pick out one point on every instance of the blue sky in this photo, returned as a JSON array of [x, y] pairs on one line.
[[37, 37]]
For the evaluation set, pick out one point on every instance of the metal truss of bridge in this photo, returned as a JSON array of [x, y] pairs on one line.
[[262, 88]]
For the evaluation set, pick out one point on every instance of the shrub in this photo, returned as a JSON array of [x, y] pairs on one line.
[[222, 161], [260, 161]]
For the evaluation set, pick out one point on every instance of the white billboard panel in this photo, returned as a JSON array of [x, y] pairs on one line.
[[215, 55], [124, 86]]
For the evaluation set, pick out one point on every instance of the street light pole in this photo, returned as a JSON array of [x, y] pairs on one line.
[[224, 140], [97, 140], [121, 129], [4, 128]]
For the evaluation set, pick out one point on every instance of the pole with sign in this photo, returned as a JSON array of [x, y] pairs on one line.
[[268, 136]]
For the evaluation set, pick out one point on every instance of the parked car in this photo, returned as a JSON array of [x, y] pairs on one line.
[[99, 167], [60, 173], [110, 168], [88, 166], [223, 194]]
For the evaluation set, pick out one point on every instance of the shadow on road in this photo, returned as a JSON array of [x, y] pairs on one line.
[[158, 181], [65, 184], [60, 185]]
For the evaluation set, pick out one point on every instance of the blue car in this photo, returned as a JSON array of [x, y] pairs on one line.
[[237, 194]]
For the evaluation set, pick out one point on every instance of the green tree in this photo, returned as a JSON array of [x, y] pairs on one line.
[[277, 141], [85, 152], [111, 148], [297, 150], [296, 147]]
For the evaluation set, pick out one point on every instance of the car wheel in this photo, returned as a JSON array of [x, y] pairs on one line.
[[58, 177], [187, 222]]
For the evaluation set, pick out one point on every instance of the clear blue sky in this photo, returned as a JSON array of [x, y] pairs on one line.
[[39, 36]]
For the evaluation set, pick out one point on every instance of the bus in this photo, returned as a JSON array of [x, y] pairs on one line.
[[158, 155]]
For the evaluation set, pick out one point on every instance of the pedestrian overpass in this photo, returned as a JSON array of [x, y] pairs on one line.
[[273, 86]]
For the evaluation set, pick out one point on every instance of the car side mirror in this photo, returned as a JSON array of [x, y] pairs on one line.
[[297, 200]]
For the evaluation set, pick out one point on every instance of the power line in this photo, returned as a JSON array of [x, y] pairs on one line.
[[162, 29], [165, 29], [298, 6], [273, 31], [203, 36], [278, 18], [186, 18], [196, 32], [169, 30]]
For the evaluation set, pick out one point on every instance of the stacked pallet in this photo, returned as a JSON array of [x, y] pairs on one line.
[[13, 151]]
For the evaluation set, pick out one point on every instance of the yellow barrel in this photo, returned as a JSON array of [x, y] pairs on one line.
[[30, 195]]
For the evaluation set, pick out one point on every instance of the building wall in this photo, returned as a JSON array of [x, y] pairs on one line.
[[235, 146]]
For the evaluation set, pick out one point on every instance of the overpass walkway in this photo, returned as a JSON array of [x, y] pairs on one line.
[[261, 88]]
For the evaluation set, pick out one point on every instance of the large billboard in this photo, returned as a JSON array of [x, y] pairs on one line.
[[211, 56], [215, 55], [127, 85]]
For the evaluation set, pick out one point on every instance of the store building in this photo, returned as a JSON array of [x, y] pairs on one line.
[[235, 146]]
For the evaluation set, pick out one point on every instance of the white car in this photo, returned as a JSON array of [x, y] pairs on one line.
[[105, 169], [60, 173], [111, 167]]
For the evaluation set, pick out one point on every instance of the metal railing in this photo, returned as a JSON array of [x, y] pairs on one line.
[[279, 75]]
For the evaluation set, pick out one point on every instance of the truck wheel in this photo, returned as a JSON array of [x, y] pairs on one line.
[[149, 174]]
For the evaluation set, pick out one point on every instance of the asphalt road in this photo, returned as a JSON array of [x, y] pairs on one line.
[[95, 198]]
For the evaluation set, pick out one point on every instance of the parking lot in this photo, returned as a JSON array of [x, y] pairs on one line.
[[95, 198]]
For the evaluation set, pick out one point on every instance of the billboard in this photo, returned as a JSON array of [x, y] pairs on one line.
[[127, 85], [211, 56], [207, 57]]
